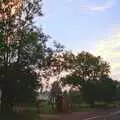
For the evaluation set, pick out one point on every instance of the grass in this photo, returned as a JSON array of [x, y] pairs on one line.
[[84, 109], [31, 111], [98, 105], [26, 115], [11, 116]]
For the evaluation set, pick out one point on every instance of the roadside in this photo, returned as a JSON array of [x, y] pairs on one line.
[[101, 114]]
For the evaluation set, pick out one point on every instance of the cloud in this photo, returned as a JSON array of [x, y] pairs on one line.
[[98, 8], [109, 50]]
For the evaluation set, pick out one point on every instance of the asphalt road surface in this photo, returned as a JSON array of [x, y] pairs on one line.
[[109, 114], [106, 114]]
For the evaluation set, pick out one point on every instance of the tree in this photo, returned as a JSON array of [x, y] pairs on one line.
[[23, 50], [90, 92], [85, 67], [117, 98], [20, 85], [58, 64], [75, 97], [108, 87], [56, 89], [54, 93], [87, 70], [88, 66]]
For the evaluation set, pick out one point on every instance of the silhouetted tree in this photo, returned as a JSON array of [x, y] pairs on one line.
[[22, 50], [54, 93], [87, 70], [108, 87]]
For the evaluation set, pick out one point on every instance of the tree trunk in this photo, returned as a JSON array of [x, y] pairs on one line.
[[6, 103], [92, 104], [3, 103]]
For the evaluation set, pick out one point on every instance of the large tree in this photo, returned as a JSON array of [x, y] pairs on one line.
[[107, 89], [87, 70], [85, 66], [23, 50]]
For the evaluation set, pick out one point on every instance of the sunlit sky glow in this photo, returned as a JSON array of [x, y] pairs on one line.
[[90, 25]]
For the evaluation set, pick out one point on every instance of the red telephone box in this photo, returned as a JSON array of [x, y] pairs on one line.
[[61, 104]]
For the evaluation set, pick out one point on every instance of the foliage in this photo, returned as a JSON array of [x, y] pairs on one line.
[[85, 67], [108, 88], [19, 85], [75, 97], [23, 51], [90, 75], [118, 91]]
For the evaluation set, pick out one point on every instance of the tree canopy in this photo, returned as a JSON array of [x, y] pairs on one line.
[[23, 50], [91, 75]]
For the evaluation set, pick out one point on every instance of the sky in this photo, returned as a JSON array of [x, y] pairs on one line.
[[89, 25]]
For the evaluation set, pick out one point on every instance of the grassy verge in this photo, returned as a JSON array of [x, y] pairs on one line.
[[20, 116], [83, 109]]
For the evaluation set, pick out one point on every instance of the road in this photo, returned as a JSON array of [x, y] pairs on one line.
[[109, 114]]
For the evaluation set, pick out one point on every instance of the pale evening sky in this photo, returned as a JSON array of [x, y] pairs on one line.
[[90, 25]]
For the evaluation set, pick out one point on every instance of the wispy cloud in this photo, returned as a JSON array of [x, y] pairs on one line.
[[98, 8], [110, 51]]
